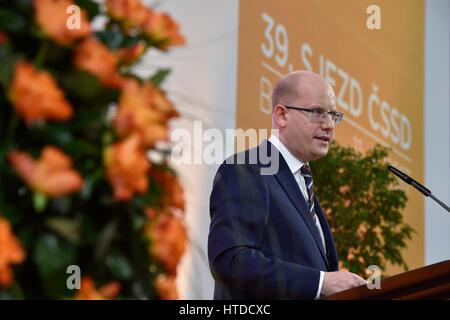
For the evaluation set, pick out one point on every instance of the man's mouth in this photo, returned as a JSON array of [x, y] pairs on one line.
[[323, 138]]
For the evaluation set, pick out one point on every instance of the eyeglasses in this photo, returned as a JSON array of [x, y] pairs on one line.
[[318, 115]]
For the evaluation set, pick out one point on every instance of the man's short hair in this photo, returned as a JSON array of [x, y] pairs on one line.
[[286, 92]]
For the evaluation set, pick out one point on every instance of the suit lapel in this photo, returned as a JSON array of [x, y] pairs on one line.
[[290, 186], [329, 241]]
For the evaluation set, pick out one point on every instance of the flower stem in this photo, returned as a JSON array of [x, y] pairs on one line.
[[42, 52]]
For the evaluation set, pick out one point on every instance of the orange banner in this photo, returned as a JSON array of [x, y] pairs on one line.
[[372, 55]]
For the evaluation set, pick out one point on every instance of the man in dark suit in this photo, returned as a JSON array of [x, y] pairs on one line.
[[269, 238]]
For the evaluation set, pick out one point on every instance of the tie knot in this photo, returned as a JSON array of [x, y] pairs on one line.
[[307, 175], [305, 170]]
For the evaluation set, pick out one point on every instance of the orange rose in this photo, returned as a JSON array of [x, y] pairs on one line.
[[163, 30], [131, 12], [94, 57], [11, 252], [166, 287], [36, 95], [169, 239], [52, 174], [127, 167], [51, 15], [143, 109], [89, 292], [130, 54], [173, 194]]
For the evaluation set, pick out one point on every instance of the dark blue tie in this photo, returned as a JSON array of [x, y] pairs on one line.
[[307, 175]]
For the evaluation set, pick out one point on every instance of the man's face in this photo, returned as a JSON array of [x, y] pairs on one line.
[[308, 140]]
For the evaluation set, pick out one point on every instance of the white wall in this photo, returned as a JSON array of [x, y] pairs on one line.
[[203, 87], [437, 129]]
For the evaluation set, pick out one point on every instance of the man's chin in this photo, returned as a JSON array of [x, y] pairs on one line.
[[322, 152]]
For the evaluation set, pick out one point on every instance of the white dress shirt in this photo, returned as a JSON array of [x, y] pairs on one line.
[[294, 165]]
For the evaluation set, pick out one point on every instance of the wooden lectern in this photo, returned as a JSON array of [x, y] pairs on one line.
[[430, 282]]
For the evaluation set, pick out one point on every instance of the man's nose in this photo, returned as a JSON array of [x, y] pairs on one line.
[[328, 124]]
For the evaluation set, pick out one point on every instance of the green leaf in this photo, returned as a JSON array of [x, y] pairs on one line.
[[24, 4], [138, 222], [119, 266], [90, 6], [129, 41], [57, 134], [51, 254], [107, 138], [39, 201], [81, 120], [54, 286], [89, 183], [79, 146], [7, 63], [111, 38], [81, 84], [62, 205], [11, 21], [66, 228], [159, 77], [17, 292], [105, 238], [26, 236]]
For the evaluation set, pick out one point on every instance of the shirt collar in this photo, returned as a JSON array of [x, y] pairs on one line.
[[293, 163]]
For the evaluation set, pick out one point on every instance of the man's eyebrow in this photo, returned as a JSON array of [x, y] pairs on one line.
[[316, 106]]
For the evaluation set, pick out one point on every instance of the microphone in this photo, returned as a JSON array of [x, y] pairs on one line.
[[426, 192]]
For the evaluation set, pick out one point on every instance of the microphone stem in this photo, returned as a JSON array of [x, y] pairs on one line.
[[440, 202]]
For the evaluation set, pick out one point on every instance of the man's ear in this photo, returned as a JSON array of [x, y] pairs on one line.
[[279, 115]]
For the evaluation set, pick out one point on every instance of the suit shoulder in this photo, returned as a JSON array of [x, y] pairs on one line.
[[260, 160], [243, 162]]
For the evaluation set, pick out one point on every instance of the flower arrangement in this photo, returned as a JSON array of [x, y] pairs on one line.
[[77, 187]]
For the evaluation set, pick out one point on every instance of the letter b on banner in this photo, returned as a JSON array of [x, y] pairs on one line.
[[265, 102]]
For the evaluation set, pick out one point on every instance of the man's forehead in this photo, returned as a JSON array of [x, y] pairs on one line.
[[320, 99], [322, 107]]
